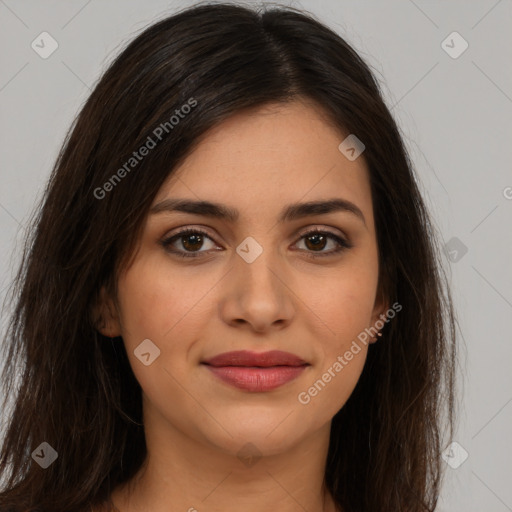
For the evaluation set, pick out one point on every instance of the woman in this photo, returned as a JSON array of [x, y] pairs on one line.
[[232, 297]]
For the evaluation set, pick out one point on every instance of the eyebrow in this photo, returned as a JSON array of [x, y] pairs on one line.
[[290, 212]]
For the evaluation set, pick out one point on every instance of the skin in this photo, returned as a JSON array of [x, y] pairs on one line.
[[195, 308]]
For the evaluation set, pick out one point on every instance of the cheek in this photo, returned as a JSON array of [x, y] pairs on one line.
[[166, 309], [345, 309], [345, 304], [331, 387], [157, 304]]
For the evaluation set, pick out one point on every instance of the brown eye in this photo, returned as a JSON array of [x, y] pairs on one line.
[[316, 240], [192, 240]]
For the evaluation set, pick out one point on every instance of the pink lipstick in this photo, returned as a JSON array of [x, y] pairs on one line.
[[256, 372]]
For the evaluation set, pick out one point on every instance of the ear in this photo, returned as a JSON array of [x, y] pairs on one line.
[[379, 312], [104, 315]]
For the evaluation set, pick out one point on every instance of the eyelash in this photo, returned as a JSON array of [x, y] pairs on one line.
[[166, 242]]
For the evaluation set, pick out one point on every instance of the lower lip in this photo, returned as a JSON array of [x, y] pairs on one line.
[[257, 379]]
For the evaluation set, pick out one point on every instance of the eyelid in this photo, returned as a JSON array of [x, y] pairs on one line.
[[341, 239], [300, 233], [190, 229], [323, 229]]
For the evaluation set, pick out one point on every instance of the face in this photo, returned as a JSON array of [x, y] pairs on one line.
[[257, 281]]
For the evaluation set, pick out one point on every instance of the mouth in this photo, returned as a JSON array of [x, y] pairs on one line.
[[256, 372]]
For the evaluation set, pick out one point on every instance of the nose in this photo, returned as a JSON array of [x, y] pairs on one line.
[[258, 295]]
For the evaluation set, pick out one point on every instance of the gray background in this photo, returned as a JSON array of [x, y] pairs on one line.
[[455, 115]]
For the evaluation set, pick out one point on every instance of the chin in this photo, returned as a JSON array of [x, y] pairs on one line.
[[269, 435]]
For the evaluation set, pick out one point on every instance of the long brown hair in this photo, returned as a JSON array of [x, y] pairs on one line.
[[76, 389]]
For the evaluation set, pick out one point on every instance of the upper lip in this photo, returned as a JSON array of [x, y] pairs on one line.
[[263, 359]]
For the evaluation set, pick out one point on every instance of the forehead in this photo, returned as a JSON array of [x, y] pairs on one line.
[[261, 159]]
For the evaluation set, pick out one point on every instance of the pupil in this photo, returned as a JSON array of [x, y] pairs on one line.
[[195, 245], [317, 238], [315, 241]]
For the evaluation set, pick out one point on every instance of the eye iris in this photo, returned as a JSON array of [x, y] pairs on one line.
[[317, 238], [196, 244]]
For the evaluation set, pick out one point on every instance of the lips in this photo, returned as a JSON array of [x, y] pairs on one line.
[[256, 372], [264, 359]]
